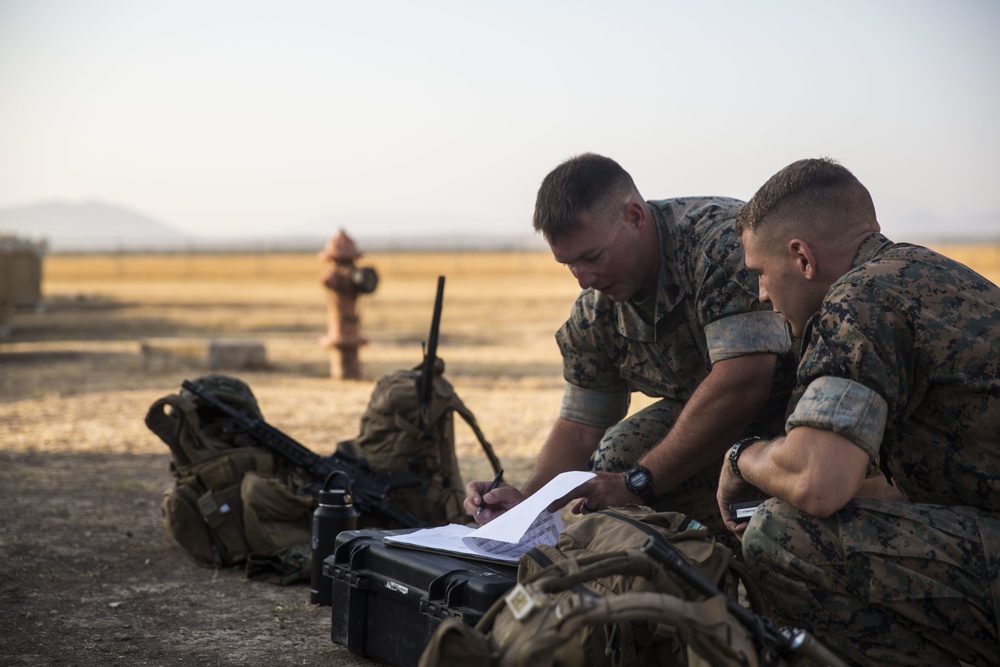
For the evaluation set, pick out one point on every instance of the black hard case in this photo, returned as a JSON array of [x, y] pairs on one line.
[[388, 601]]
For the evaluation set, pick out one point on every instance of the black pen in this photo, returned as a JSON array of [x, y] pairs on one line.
[[495, 484]]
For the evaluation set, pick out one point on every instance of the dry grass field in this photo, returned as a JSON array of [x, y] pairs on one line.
[[87, 575]]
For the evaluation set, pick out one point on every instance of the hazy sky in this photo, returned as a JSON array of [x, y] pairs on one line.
[[392, 116]]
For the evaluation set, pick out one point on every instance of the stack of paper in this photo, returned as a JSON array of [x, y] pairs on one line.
[[506, 537]]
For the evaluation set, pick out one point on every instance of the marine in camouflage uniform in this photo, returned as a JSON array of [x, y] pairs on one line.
[[668, 309], [902, 361], [704, 309]]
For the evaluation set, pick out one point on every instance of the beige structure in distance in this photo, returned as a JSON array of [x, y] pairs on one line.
[[20, 279]]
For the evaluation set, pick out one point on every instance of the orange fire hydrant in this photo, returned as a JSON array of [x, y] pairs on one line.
[[344, 283]]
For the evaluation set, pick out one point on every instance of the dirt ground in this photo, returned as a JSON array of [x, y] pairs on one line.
[[88, 576]]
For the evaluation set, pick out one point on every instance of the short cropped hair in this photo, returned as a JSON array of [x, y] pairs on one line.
[[817, 191], [578, 185]]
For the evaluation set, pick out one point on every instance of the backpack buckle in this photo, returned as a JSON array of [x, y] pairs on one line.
[[520, 602]]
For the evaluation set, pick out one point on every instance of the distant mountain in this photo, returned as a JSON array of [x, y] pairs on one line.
[[87, 226], [101, 227]]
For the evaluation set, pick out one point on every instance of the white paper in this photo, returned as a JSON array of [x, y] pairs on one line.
[[509, 535], [442, 538]]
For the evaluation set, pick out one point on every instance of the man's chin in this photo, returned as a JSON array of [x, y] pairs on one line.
[[613, 292], [796, 330]]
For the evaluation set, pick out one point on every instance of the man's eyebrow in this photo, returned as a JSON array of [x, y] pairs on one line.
[[583, 255]]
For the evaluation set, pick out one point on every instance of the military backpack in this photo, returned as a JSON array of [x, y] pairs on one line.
[[595, 599], [231, 498], [401, 434]]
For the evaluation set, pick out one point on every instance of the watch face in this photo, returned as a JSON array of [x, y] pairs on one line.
[[638, 479]]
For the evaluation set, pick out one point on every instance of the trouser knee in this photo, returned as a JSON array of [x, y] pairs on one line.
[[624, 443], [774, 534]]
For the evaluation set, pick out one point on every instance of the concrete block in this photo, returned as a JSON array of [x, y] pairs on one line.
[[236, 354], [163, 355]]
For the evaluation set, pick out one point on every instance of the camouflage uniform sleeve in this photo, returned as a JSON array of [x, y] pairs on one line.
[[849, 367], [845, 407], [593, 408], [747, 333]]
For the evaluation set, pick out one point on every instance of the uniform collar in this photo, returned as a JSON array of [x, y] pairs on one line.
[[873, 244], [870, 247]]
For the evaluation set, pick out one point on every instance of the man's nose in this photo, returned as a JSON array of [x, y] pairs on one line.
[[763, 295], [584, 277]]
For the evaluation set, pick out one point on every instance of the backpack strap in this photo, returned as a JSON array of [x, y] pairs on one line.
[[566, 574], [755, 596], [470, 419]]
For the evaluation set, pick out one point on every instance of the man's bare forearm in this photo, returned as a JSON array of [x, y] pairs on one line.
[[815, 470], [718, 412], [568, 447]]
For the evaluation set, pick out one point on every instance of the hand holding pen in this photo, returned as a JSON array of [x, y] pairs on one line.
[[495, 484]]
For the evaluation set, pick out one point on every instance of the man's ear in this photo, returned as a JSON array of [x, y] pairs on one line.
[[804, 258], [635, 215]]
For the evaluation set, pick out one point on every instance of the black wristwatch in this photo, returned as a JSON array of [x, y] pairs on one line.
[[639, 481], [737, 449]]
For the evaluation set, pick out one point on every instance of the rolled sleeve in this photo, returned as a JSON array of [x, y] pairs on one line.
[[845, 407], [593, 408], [747, 333]]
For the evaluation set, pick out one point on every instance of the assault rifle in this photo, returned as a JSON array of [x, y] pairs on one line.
[[793, 647], [425, 381], [370, 491]]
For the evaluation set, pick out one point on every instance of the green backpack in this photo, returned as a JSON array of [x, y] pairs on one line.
[[403, 436], [595, 599], [231, 498]]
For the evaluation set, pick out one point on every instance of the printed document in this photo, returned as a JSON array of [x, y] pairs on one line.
[[506, 537]]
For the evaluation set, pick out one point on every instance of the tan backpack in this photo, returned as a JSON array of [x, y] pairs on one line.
[[230, 498], [566, 626], [595, 599], [402, 434], [408, 433], [627, 587]]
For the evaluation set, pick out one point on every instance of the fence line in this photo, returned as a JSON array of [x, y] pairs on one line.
[[285, 266]]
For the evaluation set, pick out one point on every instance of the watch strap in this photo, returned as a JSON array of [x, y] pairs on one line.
[[737, 449]]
